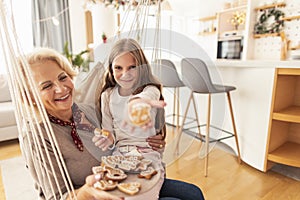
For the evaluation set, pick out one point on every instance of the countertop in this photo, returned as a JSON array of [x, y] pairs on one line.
[[258, 63]]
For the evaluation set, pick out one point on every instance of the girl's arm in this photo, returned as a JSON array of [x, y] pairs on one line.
[[106, 118], [107, 142], [149, 95]]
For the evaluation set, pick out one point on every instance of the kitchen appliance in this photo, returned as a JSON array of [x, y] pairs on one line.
[[230, 45]]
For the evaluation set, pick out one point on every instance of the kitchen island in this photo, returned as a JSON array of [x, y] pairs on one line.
[[252, 102]]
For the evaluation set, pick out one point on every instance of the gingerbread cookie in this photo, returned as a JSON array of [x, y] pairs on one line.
[[101, 132], [140, 114], [147, 174], [115, 174], [106, 185], [130, 188]]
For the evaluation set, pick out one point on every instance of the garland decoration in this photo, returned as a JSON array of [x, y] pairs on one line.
[[263, 26], [117, 3]]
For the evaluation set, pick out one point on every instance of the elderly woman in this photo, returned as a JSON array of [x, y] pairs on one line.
[[73, 126]]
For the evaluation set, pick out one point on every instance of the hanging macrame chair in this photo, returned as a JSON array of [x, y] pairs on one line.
[[28, 116], [29, 110]]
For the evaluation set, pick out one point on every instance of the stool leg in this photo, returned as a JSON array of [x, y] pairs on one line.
[[183, 121], [177, 105], [234, 127], [174, 107], [207, 136], [197, 119]]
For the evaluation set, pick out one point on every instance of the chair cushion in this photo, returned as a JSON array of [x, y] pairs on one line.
[[4, 91], [7, 115]]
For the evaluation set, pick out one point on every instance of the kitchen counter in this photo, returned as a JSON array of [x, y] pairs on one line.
[[259, 63], [251, 100], [251, 103]]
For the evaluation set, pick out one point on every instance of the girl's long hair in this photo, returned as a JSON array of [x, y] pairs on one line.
[[145, 76]]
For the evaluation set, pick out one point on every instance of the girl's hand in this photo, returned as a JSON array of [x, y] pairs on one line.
[[103, 141], [157, 142], [139, 111], [88, 192]]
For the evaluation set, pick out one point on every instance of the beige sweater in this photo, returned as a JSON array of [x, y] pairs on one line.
[[114, 112]]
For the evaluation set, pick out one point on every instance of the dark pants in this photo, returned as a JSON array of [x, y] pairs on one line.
[[179, 190]]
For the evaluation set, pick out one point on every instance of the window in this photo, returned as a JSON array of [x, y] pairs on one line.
[[23, 24]]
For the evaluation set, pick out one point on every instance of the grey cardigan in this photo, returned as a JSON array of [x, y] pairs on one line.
[[79, 164]]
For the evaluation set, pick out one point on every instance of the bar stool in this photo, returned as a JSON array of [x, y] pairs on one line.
[[195, 75], [166, 71]]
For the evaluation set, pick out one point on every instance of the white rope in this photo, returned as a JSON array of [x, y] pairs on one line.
[[26, 116]]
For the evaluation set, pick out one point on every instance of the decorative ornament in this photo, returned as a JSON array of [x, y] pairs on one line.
[[117, 3], [238, 18], [270, 21]]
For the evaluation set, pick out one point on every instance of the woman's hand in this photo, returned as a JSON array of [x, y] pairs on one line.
[[157, 142], [103, 142], [88, 192]]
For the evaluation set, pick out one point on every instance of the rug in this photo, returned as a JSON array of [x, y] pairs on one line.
[[18, 184]]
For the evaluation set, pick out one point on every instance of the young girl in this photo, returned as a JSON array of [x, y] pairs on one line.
[[129, 82]]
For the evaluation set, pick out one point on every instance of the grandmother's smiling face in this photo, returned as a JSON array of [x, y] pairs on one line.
[[56, 88]]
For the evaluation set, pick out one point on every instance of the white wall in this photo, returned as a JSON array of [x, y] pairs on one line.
[[78, 26], [198, 8], [104, 20]]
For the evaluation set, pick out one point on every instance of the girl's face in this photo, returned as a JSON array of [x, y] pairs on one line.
[[125, 73], [55, 87]]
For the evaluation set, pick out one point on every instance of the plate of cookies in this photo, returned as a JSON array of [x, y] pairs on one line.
[[131, 164], [126, 175]]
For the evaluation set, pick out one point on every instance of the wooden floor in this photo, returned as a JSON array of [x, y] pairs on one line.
[[227, 180], [8, 149]]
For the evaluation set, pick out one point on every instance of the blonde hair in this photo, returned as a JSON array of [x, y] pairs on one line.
[[39, 56], [121, 47], [42, 54]]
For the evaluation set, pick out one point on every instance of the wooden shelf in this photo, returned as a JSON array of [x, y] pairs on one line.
[[294, 48], [209, 18], [287, 154], [274, 5], [207, 33], [283, 144], [290, 114], [287, 71], [266, 35], [291, 18]]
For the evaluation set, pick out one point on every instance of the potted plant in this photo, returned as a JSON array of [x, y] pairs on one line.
[[78, 61], [104, 38]]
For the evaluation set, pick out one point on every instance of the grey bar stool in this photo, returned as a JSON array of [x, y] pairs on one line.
[[195, 75], [166, 71]]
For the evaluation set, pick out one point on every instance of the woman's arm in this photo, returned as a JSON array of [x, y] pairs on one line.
[[157, 142]]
